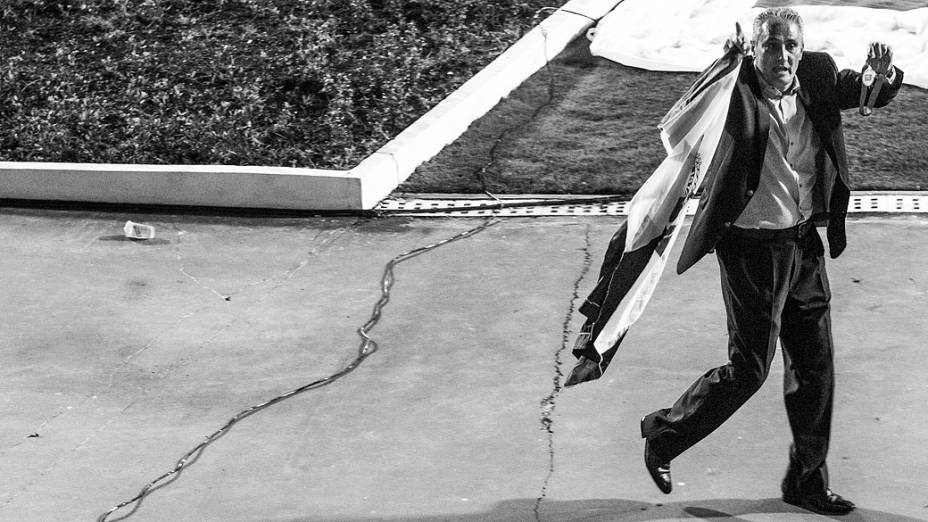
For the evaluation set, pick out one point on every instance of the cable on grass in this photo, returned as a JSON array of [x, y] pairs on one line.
[[365, 349], [561, 9]]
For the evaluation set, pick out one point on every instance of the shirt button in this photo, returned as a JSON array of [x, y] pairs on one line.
[[727, 224], [749, 193]]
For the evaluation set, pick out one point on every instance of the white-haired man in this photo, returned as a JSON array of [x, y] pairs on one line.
[[780, 169]]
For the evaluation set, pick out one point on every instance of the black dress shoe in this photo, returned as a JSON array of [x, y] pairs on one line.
[[658, 469], [823, 503]]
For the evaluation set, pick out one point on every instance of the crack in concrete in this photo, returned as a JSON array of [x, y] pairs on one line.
[[180, 266], [286, 275], [549, 403], [274, 282]]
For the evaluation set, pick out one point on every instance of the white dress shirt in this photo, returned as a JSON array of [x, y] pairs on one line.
[[783, 197]]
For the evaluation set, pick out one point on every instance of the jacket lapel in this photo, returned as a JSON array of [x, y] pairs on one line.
[[821, 128], [827, 142], [762, 119]]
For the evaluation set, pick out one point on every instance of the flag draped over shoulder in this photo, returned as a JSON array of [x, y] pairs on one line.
[[638, 251]]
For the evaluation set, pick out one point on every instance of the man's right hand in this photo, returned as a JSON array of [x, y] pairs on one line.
[[738, 41]]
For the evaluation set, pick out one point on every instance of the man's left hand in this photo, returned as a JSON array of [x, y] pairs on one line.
[[880, 58]]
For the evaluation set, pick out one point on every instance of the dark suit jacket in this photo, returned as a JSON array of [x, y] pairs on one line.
[[735, 169]]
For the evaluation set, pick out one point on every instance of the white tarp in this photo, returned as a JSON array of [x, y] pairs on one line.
[[687, 35]]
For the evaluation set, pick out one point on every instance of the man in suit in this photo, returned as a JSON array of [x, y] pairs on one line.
[[779, 170]]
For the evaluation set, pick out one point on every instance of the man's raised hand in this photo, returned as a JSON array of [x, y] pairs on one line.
[[879, 66], [880, 57], [738, 41]]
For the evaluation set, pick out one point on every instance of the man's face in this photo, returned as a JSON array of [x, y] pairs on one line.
[[777, 51]]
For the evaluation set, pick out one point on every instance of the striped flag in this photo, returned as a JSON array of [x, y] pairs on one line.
[[638, 251]]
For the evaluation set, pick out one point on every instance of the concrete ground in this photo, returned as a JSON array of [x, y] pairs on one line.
[[117, 357]]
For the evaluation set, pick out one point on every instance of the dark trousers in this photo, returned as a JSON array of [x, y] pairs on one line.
[[773, 287]]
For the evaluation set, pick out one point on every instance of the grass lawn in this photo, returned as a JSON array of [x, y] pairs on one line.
[[295, 83], [586, 125]]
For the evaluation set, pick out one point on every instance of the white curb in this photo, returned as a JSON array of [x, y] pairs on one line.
[[183, 185]]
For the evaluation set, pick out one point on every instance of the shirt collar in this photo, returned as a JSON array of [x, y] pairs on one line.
[[771, 92]]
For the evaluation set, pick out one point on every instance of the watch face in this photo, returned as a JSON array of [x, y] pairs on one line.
[[868, 76]]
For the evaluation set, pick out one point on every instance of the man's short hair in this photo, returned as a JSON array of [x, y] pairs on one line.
[[785, 14]]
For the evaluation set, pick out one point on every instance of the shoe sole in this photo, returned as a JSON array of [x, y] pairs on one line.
[[793, 501]]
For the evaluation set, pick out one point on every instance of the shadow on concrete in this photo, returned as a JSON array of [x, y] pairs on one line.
[[607, 510]]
